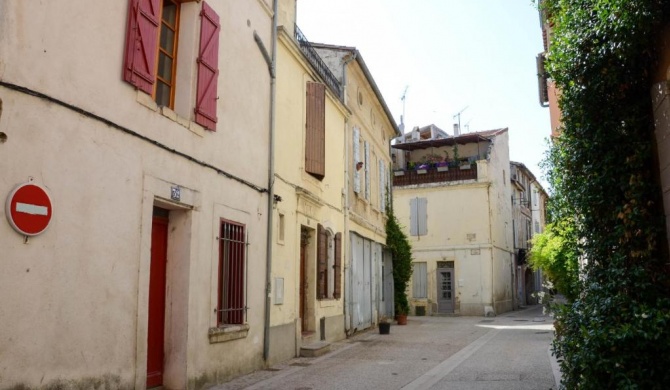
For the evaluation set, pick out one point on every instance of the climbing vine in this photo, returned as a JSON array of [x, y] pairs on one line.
[[401, 251], [615, 334]]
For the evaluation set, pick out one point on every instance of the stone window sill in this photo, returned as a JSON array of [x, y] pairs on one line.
[[228, 333]]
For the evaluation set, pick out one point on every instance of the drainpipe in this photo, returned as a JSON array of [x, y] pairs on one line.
[[271, 177], [347, 240]]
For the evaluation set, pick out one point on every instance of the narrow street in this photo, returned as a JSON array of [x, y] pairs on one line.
[[510, 351]]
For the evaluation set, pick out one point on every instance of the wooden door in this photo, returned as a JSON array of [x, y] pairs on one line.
[[157, 281]]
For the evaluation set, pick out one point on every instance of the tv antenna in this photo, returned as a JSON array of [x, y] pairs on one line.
[[458, 115], [402, 117]]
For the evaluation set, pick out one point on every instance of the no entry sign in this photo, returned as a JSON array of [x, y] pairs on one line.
[[29, 209]]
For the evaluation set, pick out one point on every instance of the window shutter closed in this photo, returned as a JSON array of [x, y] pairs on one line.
[[367, 170], [322, 261], [357, 158], [315, 137], [208, 68], [419, 282], [382, 186], [141, 40], [337, 267], [418, 224]]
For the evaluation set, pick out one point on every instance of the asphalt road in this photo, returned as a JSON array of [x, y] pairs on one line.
[[510, 351]]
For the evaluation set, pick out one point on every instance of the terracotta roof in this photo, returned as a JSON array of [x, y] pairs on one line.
[[462, 139]]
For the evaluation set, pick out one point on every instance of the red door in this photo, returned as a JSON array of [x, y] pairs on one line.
[[156, 328]]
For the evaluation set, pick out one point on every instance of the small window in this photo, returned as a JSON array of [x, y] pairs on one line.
[[232, 307], [281, 228]]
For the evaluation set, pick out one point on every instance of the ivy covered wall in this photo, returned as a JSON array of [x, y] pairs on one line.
[[604, 174]]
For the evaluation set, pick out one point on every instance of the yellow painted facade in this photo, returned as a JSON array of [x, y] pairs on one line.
[[467, 233]]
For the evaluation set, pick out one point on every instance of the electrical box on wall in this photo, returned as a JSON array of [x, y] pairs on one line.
[[279, 291]]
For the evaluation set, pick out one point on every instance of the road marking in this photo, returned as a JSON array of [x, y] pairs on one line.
[[427, 380], [31, 209]]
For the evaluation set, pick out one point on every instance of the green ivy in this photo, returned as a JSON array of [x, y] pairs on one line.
[[401, 251], [616, 333]]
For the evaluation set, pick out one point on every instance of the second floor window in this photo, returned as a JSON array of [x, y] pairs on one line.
[[151, 55], [167, 54], [315, 130]]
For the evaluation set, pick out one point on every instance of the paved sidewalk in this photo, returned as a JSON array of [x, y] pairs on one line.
[[510, 351]]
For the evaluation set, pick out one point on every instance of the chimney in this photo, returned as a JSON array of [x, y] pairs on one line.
[[457, 130]]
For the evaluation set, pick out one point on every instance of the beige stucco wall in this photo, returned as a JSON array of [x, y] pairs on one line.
[[306, 201], [469, 223], [74, 302]]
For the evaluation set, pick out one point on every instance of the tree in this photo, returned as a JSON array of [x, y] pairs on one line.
[[553, 251]]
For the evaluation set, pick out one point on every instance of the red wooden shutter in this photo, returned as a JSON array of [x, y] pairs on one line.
[[337, 267], [208, 68], [315, 137], [141, 39], [322, 261]]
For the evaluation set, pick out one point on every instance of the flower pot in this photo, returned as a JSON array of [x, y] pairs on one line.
[[384, 327], [401, 318], [421, 171], [466, 166], [442, 169], [398, 173]]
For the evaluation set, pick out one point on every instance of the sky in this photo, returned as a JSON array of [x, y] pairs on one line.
[[473, 57]]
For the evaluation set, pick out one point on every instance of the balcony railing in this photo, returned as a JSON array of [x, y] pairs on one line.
[[432, 175], [318, 64]]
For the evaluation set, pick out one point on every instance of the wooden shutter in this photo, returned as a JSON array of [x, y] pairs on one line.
[[357, 158], [315, 139], [322, 261], [208, 68], [337, 267], [141, 41]]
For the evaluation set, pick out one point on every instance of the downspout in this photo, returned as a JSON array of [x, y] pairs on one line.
[[271, 177], [493, 248], [347, 239]]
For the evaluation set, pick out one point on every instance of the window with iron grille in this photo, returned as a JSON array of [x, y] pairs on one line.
[[232, 306]]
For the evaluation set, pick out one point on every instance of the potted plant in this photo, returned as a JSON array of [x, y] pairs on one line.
[[384, 325], [401, 308], [442, 166], [422, 169]]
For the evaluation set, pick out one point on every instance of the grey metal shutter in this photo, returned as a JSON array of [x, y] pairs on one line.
[[419, 280], [418, 219]]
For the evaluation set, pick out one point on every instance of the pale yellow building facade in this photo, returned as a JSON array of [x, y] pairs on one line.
[[453, 197], [317, 212]]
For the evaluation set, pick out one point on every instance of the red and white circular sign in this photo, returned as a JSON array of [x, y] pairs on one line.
[[29, 209]]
